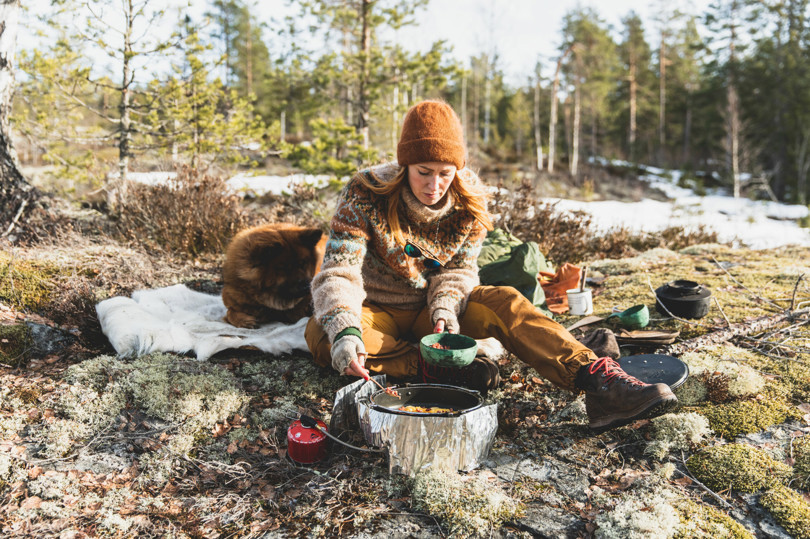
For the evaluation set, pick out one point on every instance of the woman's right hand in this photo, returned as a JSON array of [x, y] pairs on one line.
[[349, 355]]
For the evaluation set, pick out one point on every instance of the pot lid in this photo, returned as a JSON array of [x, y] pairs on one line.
[[656, 369], [685, 292]]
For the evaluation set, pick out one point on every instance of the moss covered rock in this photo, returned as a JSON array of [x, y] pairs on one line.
[[789, 509], [704, 522], [739, 467], [15, 344], [745, 417], [25, 284]]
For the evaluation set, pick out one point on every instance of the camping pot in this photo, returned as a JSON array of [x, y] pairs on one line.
[[458, 400], [306, 445], [683, 298]]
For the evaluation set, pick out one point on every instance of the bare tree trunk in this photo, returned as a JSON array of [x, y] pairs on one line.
[[476, 107], [464, 104], [487, 102], [16, 196], [733, 112], [249, 59], [395, 112], [734, 136], [802, 166], [575, 132], [538, 141], [117, 194], [687, 128], [631, 134], [365, 47], [552, 123], [662, 98]]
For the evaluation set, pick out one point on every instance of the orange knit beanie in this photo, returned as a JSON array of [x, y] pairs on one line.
[[431, 132]]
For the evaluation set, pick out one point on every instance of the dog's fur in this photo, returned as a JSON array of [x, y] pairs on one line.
[[267, 274]]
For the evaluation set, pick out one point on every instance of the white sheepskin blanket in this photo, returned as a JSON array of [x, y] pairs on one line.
[[178, 319]]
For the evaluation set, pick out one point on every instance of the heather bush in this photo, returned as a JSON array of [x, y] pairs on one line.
[[191, 214], [569, 236]]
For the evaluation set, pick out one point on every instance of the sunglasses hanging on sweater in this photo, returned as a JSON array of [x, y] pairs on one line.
[[414, 250]]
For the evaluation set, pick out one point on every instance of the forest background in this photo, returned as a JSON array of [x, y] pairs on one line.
[[724, 92]]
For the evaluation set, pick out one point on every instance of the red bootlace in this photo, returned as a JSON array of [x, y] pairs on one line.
[[612, 370]]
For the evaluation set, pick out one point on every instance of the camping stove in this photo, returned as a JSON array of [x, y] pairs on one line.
[[458, 438]]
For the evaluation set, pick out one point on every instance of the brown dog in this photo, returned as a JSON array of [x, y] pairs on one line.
[[267, 273]]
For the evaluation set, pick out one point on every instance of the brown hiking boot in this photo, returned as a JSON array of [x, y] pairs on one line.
[[481, 375], [614, 398]]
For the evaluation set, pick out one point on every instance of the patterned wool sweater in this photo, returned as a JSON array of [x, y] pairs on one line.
[[363, 261]]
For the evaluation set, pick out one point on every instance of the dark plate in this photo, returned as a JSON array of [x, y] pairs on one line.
[[656, 368]]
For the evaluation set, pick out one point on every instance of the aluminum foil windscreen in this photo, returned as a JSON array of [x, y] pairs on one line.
[[414, 442]]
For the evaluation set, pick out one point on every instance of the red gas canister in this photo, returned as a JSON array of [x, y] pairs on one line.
[[306, 445]]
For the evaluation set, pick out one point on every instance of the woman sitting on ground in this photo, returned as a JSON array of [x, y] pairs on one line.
[[400, 263]]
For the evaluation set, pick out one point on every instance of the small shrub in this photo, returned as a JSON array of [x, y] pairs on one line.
[[304, 206], [676, 431], [789, 509], [191, 214], [469, 507], [724, 379], [737, 466]]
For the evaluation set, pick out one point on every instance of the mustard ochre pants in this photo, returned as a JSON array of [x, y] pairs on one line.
[[492, 311]]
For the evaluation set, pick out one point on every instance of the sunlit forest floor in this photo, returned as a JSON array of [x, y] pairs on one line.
[[163, 445]]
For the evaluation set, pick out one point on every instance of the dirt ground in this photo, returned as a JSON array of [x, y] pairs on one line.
[[163, 445]]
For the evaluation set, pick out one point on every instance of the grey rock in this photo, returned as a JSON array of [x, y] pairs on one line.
[[545, 521], [46, 340], [568, 480]]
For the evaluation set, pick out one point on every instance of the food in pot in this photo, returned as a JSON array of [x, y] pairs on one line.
[[425, 409], [439, 346]]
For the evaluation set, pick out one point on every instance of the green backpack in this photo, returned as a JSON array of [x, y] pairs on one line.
[[507, 261]]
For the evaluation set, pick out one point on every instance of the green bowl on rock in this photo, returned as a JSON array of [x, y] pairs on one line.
[[453, 350]]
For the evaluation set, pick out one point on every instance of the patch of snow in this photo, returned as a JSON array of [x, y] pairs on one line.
[[277, 185], [147, 178], [755, 223]]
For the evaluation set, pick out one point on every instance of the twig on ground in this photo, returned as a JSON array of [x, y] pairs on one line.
[[16, 218], [728, 324], [713, 494], [754, 294], [795, 288]]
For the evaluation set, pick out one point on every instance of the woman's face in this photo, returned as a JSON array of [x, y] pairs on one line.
[[430, 181]]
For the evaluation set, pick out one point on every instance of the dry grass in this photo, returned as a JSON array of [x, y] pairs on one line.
[[191, 214]]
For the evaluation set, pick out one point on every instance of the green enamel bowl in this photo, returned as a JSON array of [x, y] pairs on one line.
[[456, 350]]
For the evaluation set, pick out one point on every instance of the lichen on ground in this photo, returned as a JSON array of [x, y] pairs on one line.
[[790, 510], [676, 432], [738, 467], [730, 361], [468, 506], [645, 513]]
